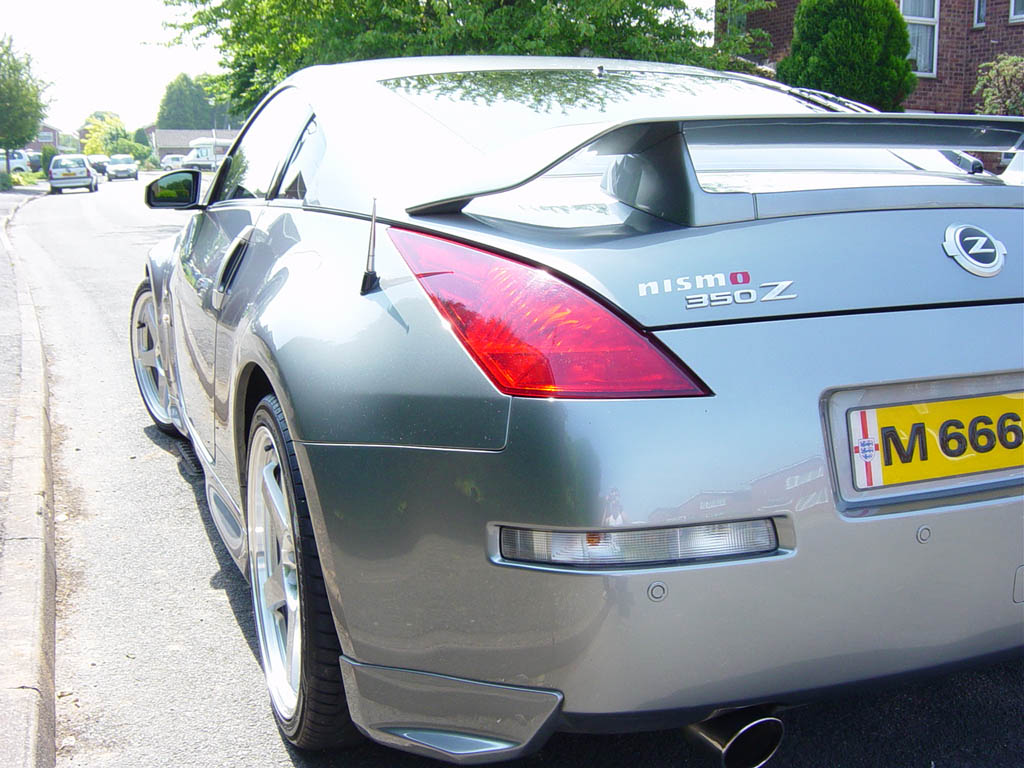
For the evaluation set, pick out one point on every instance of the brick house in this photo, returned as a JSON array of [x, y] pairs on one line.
[[50, 136], [948, 40]]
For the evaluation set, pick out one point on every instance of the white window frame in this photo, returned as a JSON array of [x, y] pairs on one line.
[[1016, 17], [982, 6], [931, 22]]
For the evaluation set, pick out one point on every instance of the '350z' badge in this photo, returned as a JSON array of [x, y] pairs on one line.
[[974, 249]]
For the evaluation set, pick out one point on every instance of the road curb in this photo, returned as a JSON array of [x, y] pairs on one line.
[[28, 567]]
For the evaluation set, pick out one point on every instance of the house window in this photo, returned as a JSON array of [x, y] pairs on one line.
[[1017, 10], [923, 25], [979, 13]]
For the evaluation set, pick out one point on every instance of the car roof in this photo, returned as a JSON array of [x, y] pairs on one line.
[[445, 129], [411, 143]]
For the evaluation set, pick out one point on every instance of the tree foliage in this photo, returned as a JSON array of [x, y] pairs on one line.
[[22, 106], [197, 104], [49, 151], [102, 129], [140, 137], [263, 41], [184, 105], [852, 48], [1001, 86]]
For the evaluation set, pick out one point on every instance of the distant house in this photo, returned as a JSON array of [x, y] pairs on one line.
[[52, 137], [174, 141], [948, 40]]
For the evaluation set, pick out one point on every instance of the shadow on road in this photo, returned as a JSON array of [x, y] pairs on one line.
[[228, 579]]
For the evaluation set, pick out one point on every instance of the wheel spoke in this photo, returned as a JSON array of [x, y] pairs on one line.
[[148, 358], [274, 592], [161, 387], [150, 319], [274, 498]]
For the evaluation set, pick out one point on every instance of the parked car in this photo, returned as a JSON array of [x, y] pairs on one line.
[[19, 161], [596, 396], [122, 167], [170, 162], [99, 162], [70, 172], [35, 160]]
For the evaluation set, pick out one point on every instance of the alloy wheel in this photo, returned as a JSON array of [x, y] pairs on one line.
[[273, 572], [149, 366]]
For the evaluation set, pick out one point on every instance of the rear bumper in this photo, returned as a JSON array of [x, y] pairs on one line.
[[72, 182], [855, 594]]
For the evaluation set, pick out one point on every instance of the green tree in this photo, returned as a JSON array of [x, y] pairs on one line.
[[263, 41], [22, 106], [128, 147], [49, 151], [140, 137], [852, 48], [185, 105], [102, 129], [1001, 86]]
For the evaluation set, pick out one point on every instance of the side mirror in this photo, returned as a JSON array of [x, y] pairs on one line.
[[179, 189]]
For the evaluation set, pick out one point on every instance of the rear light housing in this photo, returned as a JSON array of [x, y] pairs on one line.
[[535, 335]]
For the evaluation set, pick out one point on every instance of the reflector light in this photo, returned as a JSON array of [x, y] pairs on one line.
[[627, 549], [535, 335]]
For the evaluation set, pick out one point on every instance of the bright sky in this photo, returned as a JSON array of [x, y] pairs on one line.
[[102, 55], [108, 55]]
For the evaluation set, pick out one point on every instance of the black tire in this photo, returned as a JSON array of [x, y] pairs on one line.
[[143, 340], [56, 190], [320, 717]]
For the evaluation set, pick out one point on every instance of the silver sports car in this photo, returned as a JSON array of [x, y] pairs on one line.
[[562, 394]]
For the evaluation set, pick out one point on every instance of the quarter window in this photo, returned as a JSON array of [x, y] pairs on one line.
[[265, 144], [923, 25], [299, 179]]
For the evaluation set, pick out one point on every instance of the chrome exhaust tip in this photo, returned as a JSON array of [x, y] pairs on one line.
[[744, 738]]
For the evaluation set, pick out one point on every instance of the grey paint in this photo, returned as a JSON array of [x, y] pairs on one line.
[[411, 458]]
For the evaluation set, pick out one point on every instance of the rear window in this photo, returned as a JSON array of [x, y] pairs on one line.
[[68, 162], [494, 108]]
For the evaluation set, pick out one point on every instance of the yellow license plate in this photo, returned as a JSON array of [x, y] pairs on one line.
[[911, 443]]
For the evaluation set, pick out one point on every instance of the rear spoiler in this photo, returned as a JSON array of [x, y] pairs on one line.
[[656, 173]]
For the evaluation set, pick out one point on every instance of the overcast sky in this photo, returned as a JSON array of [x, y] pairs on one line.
[[102, 55]]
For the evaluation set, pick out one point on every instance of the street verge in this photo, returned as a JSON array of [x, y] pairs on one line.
[[27, 565]]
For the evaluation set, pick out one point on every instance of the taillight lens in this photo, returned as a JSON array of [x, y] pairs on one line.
[[535, 335]]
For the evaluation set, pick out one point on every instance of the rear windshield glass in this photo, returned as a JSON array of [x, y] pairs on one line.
[[118, 159], [492, 109], [68, 162]]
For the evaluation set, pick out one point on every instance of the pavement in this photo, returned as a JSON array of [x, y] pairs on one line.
[[27, 566]]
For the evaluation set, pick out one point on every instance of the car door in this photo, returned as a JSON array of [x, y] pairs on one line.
[[214, 250]]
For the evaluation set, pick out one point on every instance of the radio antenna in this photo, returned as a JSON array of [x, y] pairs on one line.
[[370, 280]]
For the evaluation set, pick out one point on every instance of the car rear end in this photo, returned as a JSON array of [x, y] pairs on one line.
[[725, 442], [71, 172]]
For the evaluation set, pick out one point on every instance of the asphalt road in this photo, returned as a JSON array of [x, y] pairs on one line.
[[156, 661]]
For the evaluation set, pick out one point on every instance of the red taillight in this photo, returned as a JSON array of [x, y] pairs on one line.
[[535, 335]]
